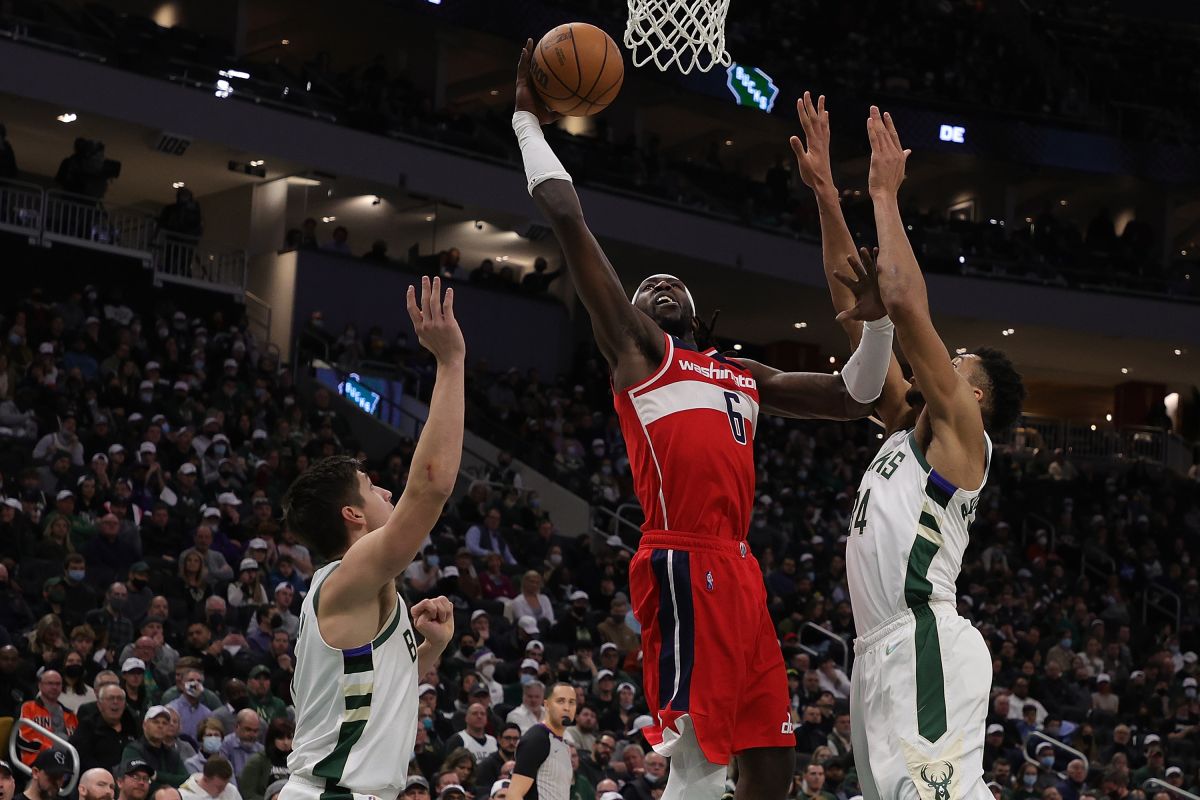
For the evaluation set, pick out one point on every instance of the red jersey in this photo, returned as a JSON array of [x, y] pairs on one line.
[[689, 432]]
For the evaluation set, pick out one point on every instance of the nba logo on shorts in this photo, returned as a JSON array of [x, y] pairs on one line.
[[708, 582]]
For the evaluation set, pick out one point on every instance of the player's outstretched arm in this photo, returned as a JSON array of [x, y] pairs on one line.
[[375, 560], [837, 245], [953, 409], [622, 332]]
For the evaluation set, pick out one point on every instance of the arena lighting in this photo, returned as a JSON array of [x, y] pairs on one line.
[[799, 325], [224, 89], [233, 73], [952, 133], [737, 347], [833, 359], [1178, 352], [248, 169], [178, 185], [257, 163], [301, 180], [1093, 427], [429, 217], [285, 42], [961, 350], [67, 118], [751, 87], [1124, 370], [1108, 417], [434, 2], [328, 219]]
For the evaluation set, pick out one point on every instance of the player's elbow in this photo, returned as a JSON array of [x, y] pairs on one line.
[[903, 303], [432, 482]]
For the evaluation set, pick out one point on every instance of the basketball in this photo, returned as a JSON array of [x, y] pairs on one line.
[[577, 69]]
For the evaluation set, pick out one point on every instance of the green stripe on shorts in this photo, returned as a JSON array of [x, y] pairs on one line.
[[931, 683]]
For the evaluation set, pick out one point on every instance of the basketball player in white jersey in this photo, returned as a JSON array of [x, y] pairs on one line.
[[922, 674], [357, 661]]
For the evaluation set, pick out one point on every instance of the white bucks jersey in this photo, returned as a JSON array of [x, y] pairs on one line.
[[908, 532], [356, 710]]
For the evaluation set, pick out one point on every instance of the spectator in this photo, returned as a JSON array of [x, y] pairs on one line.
[[101, 739], [76, 691], [269, 766], [239, 746], [615, 628], [531, 602], [262, 701], [210, 736], [183, 216], [538, 282], [49, 769], [96, 784], [832, 679], [45, 710], [811, 783], [652, 776], [340, 243], [164, 762], [1075, 783], [1104, 699], [215, 782], [529, 713], [192, 712], [486, 538]]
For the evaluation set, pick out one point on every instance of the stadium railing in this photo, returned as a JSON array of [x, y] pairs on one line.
[[86, 221], [22, 208], [1154, 785], [1157, 597], [1039, 737], [14, 754], [191, 261], [1089, 441], [829, 637]]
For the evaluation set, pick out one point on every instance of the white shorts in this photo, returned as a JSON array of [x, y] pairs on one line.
[[918, 707], [302, 788]]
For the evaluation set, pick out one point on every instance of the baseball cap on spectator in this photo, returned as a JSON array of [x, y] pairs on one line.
[[578, 594], [247, 563], [187, 468], [209, 511], [639, 722], [1044, 746], [612, 796], [257, 544], [450, 572], [1190, 657], [228, 499], [53, 761], [605, 674], [220, 437], [282, 585], [154, 712], [63, 494], [146, 385], [499, 786], [1103, 678], [92, 321], [529, 663], [230, 362], [806, 556], [180, 386], [6, 767], [46, 348], [262, 501], [210, 421], [453, 792], [627, 685], [1173, 771], [477, 613], [259, 433], [528, 624], [479, 690], [134, 417], [534, 644], [13, 502], [416, 780], [1151, 738], [485, 657], [136, 765], [606, 647], [140, 568], [260, 669], [152, 365], [116, 448], [426, 688], [147, 447], [1189, 683], [1137, 673], [995, 728]]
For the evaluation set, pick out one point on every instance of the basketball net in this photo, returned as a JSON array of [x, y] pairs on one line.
[[687, 33]]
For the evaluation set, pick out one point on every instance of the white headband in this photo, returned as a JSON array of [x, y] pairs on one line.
[[686, 291]]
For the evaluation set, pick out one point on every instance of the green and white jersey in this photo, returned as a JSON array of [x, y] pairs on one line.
[[356, 710], [908, 532]]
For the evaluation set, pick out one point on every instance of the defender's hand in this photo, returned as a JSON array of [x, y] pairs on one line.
[[527, 96], [433, 319], [868, 305], [812, 154], [888, 156]]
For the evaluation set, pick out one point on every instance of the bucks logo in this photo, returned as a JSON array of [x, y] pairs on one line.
[[939, 780]]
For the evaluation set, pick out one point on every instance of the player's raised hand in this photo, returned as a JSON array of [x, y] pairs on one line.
[[527, 96], [434, 620], [433, 319], [812, 154], [887, 155], [868, 304]]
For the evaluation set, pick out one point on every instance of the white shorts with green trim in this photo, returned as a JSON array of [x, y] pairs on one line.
[[301, 787], [918, 707]]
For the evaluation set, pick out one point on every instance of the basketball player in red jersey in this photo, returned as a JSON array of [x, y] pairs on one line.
[[713, 670]]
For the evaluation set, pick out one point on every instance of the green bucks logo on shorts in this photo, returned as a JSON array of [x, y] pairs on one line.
[[939, 780]]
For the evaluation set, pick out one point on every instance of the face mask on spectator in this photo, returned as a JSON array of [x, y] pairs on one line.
[[1029, 780], [212, 744], [14, 339], [1190, 693], [193, 688], [527, 679], [77, 575], [117, 603], [1066, 643], [137, 583], [433, 561], [219, 450], [233, 649], [488, 671], [556, 559], [467, 650], [73, 670], [650, 779], [147, 397], [1048, 762]]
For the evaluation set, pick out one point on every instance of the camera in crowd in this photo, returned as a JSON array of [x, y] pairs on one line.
[[87, 171]]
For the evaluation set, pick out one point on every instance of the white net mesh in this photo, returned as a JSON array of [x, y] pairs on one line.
[[687, 33]]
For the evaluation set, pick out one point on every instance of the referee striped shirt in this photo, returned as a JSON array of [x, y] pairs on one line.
[[545, 758]]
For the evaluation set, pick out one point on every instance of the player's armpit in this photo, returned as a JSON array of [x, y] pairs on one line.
[[622, 332], [804, 395]]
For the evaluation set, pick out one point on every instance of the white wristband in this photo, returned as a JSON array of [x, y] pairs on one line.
[[866, 371], [540, 162]]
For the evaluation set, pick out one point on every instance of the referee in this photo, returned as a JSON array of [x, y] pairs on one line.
[[543, 770]]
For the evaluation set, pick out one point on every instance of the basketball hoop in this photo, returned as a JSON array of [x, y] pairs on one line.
[[687, 33]]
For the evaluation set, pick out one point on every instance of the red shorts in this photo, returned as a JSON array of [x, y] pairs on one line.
[[709, 649]]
